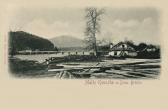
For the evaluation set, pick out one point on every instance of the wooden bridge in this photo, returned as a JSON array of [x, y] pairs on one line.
[[29, 52]]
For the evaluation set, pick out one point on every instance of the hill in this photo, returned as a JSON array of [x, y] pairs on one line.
[[67, 41], [21, 40]]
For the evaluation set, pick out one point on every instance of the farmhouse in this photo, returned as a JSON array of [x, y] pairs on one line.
[[122, 49]]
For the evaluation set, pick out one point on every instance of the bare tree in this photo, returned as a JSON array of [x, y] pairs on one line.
[[93, 18]]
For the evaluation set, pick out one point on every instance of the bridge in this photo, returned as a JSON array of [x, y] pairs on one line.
[[29, 52]]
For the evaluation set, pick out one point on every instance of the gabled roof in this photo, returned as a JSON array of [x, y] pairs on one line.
[[116, 47]]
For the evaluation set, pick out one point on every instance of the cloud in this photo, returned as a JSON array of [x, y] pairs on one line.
[[135, 24], [131, 29], [53, 29], [147, 21], [117, 30], [125, 24], [39, 27]]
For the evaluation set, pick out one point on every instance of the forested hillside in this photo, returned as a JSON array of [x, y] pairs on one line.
[[21, 40]]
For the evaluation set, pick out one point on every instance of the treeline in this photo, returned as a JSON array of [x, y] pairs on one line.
[[145, 50], [21, 40]]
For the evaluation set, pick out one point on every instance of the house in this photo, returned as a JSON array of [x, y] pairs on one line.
[[122, 49]]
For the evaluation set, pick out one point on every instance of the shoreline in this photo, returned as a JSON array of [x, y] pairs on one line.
[[106, 69]]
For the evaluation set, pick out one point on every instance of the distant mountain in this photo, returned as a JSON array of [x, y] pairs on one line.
[[67, 41], [21, 40]]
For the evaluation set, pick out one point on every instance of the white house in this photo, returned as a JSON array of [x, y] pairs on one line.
[[122, 49]]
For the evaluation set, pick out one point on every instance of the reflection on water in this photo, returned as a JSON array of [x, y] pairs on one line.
[[39, 57]]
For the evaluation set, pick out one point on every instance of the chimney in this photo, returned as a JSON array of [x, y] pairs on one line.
[[111, 45]]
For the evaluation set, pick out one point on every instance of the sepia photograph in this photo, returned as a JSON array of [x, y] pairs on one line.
[[85, 43], [83, 54]]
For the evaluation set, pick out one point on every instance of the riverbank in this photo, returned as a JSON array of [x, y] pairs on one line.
[[24, 68], [112, 69]]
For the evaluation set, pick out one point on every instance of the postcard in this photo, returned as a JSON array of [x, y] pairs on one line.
[[67, 50]]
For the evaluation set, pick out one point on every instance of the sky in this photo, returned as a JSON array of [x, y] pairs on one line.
[[117, 24]]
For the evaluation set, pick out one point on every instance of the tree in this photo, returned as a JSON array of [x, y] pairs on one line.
[[141, 46], [93, 18], [132, 44]]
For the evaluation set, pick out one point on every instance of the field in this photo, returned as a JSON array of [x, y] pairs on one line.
[[111, 69]]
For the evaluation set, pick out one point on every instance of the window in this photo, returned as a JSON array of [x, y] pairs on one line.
[[115, 53], [123, 46]]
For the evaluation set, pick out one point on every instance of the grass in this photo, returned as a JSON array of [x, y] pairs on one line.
[[25, 67]]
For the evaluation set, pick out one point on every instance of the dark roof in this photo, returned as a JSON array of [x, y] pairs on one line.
[[129, 47]]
